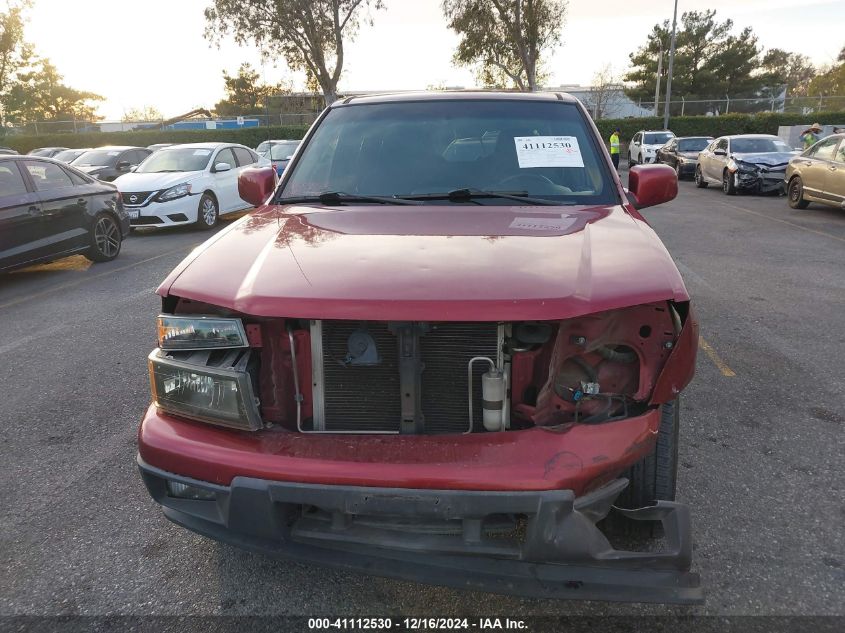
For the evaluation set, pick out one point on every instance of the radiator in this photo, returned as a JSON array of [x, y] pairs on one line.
[[368, 399]]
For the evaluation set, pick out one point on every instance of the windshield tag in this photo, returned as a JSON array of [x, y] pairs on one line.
[[202, 152], [548, 151], [562, 223]]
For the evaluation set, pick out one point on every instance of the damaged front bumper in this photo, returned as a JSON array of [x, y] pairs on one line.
[[761, 179], [532, 543]]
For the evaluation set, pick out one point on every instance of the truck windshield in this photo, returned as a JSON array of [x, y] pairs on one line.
[[536, 148]]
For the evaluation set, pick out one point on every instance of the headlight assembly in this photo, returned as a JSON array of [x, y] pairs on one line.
[[177, 191], [199, 332], [213, 387]]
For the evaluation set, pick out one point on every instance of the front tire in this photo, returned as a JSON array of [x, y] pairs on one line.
[[208, 212], [631, 162], [728, 186], [796, 194], [654, 478], [105, 239], [699, 178]]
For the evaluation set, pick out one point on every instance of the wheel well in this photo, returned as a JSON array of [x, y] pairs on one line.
[[212, 194], [108, 212]]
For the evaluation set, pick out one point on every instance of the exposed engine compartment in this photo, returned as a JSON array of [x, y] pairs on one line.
[[380, 377]]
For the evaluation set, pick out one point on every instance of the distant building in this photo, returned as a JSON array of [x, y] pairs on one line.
[[603, 102]]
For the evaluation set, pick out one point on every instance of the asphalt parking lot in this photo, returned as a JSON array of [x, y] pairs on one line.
[[761, 454]]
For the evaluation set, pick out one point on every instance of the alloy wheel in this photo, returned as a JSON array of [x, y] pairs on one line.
[[107, 237], [209, 211]]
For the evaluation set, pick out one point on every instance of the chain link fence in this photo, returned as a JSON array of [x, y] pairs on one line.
[[681, 106], [217, 123]]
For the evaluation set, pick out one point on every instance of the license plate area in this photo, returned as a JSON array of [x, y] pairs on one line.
[[134, 215]]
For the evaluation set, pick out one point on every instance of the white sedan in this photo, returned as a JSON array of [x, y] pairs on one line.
[[644, 145], [187, 184]]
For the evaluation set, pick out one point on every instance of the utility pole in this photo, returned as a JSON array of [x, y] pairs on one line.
[[671, 63], [657, 83]]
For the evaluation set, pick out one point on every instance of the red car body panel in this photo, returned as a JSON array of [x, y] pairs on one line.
[[534, 459], [430, 263]]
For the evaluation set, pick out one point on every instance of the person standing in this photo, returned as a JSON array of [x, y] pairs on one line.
[[614, 148], [811, 136]]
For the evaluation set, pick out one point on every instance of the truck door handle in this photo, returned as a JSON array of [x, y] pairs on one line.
[[808, 162], [80, 201], [832, 168], [33, 210]]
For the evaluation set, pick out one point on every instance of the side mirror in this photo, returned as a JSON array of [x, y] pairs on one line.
[[649, 185], [255, 184], [133, 168], [218, 167], [122, 165], [720, 152]]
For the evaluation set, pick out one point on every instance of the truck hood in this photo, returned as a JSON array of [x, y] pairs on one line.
[[441, 263], [153, 182]]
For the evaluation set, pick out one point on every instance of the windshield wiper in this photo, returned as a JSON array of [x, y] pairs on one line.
[[464, 195], [336, 198]]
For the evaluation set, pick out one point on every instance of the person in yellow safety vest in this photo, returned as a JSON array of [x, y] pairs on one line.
[[614, 148]]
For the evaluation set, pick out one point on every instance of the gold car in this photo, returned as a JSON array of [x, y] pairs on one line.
[[818, 174]]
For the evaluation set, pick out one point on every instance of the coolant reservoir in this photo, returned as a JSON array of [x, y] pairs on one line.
[[493, 395]]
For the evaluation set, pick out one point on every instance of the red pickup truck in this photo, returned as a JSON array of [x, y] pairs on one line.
[[445, 347]]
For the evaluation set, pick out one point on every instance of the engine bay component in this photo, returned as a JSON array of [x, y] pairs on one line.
[[493, 394], [362, 349]]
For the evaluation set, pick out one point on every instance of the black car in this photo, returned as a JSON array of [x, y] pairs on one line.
[[49, 210], [682, 153], [107, 163], [46, 152]]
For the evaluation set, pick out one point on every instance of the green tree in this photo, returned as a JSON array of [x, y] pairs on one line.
[[782, 68], [308, 33], [709, 59], [245, 94], [506, 39], [831, 81], [15, 52], [147, 113], [40, 95]]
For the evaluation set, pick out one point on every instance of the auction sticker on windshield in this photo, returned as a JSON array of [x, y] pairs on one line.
[[548, 151]]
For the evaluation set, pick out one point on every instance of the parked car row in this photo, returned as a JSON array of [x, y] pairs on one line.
[[757, 163], [49, 210], [52, 207]]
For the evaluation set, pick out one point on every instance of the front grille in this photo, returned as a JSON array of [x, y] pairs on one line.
[[134, 199], [146, 219], [368, 398]]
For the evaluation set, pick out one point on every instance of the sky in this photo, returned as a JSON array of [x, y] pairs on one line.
[[153, 53]]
